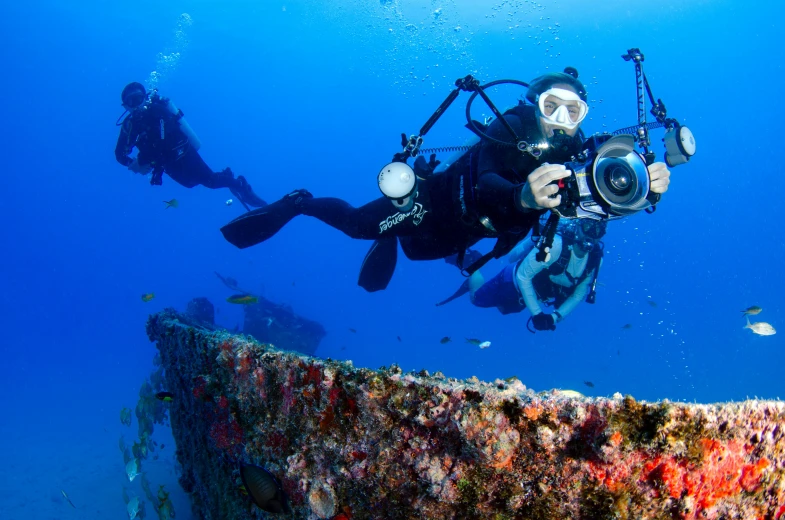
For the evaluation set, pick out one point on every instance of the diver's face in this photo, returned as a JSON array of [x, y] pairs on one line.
[[134, 101], [580, 248], [552, 103], [560, 107]]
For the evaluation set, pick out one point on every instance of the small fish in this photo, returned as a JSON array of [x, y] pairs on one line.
[[651, 303], [229, 202], [242, 299], [171, 203], [264, 489], [132, 469], [353, 331], [761, 328], [445, 340], [511, 379], [162, 446], [66, 497], [147, 297], [133, 508], [399, 338], [627, 326], [751, 311], [125, 416], [166, 397], [589, 384], [474, 341], [484, 344], [343, 348]]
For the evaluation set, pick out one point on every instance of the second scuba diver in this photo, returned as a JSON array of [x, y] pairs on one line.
[[563, 279], [492, 191], [167, 144]]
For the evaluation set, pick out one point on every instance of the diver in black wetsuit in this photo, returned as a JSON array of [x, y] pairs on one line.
[[491, 191], [167, 144]]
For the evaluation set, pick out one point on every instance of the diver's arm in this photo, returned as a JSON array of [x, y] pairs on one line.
[[492, 188], [495, 190], [529, 268], [538, 190], [575, 298], [122, 149]]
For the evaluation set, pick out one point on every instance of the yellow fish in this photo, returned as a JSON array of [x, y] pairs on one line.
[[751, 311], [171, 203], [242, 299], [147, 297]]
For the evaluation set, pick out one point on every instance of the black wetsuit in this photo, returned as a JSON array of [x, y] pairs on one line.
[[484, 182], [156, 132]]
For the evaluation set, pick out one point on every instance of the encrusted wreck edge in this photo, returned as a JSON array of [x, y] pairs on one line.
[[386, 444]]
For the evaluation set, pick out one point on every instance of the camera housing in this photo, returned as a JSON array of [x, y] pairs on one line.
[[608, 180]]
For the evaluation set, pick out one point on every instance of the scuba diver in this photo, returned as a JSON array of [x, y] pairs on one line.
[[496, 189], [167, 144], [566, 276]]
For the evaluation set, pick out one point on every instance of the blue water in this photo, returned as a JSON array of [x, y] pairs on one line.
[[298, 94]]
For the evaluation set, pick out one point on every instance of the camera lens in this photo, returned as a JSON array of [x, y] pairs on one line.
[[618, 179]]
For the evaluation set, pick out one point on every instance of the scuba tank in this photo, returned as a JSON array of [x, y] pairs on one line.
[[455, 156], [193, 139]]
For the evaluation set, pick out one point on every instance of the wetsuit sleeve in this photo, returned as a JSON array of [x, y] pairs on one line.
[[122, 149], [496, 162], [577, 296], [529, 268]]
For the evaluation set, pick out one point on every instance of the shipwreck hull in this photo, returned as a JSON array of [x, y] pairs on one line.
[[382, 444]]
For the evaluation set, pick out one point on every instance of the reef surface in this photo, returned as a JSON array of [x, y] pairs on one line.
[[384, 444]]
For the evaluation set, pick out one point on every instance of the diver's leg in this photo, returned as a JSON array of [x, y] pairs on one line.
[[243, 191], [499, 292], [379, 218], [189, 169], [476, 281], [262, 224]]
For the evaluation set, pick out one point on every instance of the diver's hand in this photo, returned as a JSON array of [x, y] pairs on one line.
[[139, 168], [660, 177], [544, 321], [539, 190]]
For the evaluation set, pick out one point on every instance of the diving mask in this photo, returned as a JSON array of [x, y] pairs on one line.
[[562, 108], [592, 229]]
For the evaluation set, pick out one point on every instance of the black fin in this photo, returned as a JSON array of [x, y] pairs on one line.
[[379, 265], [260, 224], [463, 289]]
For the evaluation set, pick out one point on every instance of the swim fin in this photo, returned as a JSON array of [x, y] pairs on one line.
[[379, 265], [261, 224], [463, 289]]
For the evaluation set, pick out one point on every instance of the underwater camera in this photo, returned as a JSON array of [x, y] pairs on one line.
[[609, 180]]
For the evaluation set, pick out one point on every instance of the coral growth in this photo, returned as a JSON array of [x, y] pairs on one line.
[[412, 445]]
